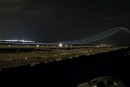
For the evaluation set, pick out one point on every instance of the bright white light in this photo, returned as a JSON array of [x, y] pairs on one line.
[[37, 46], [60, 45]]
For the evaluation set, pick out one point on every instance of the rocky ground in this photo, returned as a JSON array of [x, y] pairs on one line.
[[15, 56]]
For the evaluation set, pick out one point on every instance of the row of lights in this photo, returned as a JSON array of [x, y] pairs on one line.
[[17, 41]]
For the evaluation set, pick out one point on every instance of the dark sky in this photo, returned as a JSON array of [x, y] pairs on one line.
[[61, 20]]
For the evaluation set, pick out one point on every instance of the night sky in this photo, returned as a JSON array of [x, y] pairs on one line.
[[62, 20]]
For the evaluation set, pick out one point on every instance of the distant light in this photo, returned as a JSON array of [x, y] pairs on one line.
[[26, 41], [9, 45], [66, 45], [60, 45], [37, 46]]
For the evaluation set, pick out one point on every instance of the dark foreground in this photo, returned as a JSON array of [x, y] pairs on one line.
[[70, 72]]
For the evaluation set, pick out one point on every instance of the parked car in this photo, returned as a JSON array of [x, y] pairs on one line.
[[105, 81]]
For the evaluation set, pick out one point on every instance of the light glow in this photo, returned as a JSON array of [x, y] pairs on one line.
[[26, 41], [60, 45]]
